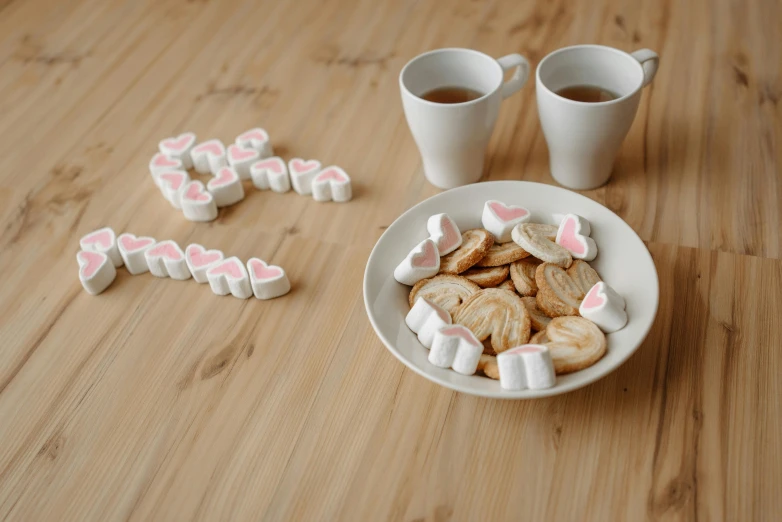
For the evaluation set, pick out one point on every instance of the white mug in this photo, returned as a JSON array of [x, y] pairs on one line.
[[584, 138], [452, 138]]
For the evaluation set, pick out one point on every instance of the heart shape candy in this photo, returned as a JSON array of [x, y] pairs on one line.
[[499, 219], [229, 276], [456, 347], [96, 271], [132, 250], [268, 281], [573, 235], [103, 240], [444, 232], [199, 260], [197, 203]]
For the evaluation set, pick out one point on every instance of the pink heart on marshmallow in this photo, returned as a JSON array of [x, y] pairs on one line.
[[165, 249], [274, 165], [102, 237], [210, 147], [301, 166], [195, 192], [131, 243], [507, 213], [237, 153], [174, 179], [569, 238], [90, 263], [426, 259], [224, 176], [199, 256], [161, 160], [463, 332], [179, 143], [330, 174], [230, 267], [257, 135], [261, 271], [595, 297]]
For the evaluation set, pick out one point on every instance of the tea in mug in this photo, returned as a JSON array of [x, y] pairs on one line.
[[451, 95], [587, 94]]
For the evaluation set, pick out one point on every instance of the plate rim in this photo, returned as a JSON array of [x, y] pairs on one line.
[[510, 394]]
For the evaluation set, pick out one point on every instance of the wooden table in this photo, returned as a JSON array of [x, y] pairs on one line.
[[159, 401]]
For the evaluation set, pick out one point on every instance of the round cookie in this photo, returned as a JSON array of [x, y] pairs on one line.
[[538, 319], [557, 294], [575, 343], [583, 275], [508, 285], [496, 313], [522, 273], [538, 240], [539, 338], [447, 291], [487, 277], [475, 244], [502, 254]]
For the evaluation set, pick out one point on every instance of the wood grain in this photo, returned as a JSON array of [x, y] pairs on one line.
[[159, 401]]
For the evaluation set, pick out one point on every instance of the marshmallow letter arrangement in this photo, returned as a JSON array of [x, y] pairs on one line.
[[421, 263], [499, 219], [527, 366], [455, 347], [425, 318], [249, 158], [604, 307], [444, 232], [573, 234], [166, 259]]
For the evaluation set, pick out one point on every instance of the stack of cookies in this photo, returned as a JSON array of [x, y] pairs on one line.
[[513, 284]]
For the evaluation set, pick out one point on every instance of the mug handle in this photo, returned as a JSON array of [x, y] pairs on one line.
[[519, 76], [649, 61]]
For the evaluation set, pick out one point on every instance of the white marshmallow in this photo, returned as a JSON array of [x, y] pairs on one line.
[[425, 318], [166, 259], [271, 173], [499, 219], [96, 271], [161, 163], [573, 234], [199, 260], [423, 261], [132, 250], [526, 366], [444, 232], [257, 139], [179, 147], [226, 187], [104, 241], [605, 307], [229, 277], [332, 184], [240, 159], [302, 173], [267, 281], [208, 157], [456, 347], [197, 203], [172, 183]]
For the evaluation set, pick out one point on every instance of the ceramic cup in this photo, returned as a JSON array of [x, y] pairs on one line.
[[452, 138], [584, 138]]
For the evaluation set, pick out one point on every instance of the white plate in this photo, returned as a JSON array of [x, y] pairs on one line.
[[623, 261]]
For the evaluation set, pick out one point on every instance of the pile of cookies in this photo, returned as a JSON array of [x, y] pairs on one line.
[[250, 157], [514, 300]]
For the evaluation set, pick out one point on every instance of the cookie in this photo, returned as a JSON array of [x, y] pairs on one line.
[[499, 219], [487, 277], [537, 318], [446, 291], [539, 338], [496, 313], [475, 245], [503, 254], [583, 275], [538, 240], [522, 274], [573, 234], [508, 285], [604, 307], [488, 365], [575, 343], [558, 294]]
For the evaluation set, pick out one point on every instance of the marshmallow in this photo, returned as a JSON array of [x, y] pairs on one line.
[[444, 232], [423, 261], [557, 218], [104, 241], [226, 187], [199, 260], [229, 277], [197, 203], [573, 234], [96, 271], [179, 147], [132, 250], [267, 281], [456, 347], [208, 157], [172, 183], [604, 307], [271, 173], [526, 366], [166, 259], [425, 318], [161, 163], [302, 173], [499, 219], [240, 159], [257, 139], [332, 184]]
